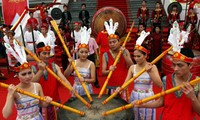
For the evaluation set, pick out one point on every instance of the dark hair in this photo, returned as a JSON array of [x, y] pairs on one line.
[[154, 29], [62, 28], [46, 11], [83, 4], [145, 46], [187, 52], [65, 6], [12, 32], [40, 45], [30, 13], [158, 2], [17, 65], [42, 3], [142, 25], [144, 1], [174, 6]]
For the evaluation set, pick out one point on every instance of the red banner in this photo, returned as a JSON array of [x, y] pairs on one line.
[[12, 9]]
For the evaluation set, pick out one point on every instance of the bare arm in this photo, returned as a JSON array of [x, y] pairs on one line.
[[130, 74], [59, 73], [104, 66], [7, 109], [127, 58], [93, 74], [153, 73], [43, 104], [155, 104], [69, 70]]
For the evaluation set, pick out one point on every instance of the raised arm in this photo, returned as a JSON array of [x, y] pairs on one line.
[[59, 73], [8, 107], [39, 73], [69, 69]]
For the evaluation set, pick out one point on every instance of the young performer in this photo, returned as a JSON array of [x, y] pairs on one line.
[[143, 85], [143, 13], [121, 69], [157, 15], [27, 107], [47, 81], [85, 67]]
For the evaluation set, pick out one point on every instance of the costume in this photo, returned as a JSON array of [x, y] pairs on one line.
[[102, 41], [157, 16], [191, 19], [143, 15], [143, 87], [156, 44], [85, 73], [28, 39], [173, 16], [176, 105], [50, 88], [66, 16], [84, 17], [28, 107]]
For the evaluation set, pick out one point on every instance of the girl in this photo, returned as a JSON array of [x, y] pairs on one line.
[[85, 67]]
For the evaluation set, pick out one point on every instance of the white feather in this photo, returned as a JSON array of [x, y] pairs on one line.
[[85, 35], [112, 28], [11, 51], [143, 35]]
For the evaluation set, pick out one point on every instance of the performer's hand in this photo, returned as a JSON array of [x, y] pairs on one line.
[[122, 48], [73, 90], [70, 59], [134, 103], [148, 67], [188, 90], [112, 68], [48, 99], [42, 65], [11, 89], [82, 79]]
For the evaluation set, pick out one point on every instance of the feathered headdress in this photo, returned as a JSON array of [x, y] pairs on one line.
[[20, 55], [111, 29], [85, 36], [177, 39], [140, 40]]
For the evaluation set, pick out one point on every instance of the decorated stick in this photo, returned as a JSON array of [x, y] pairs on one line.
[[115, 63], [136, 76], [44, 99], [55, 26], [158, 95], [56, 76]]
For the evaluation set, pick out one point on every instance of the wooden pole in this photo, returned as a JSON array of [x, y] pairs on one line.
[[136, 76], [115, 63], [55, 26], [139, 102], [44, 99], [57, 77]]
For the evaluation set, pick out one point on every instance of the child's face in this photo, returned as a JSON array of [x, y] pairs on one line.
[[157, 30]]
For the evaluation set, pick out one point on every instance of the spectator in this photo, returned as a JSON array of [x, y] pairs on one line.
[[143, 13], [66, 17], [33, 21], [84, 15]]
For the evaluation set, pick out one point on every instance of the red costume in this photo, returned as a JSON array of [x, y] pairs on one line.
[[102, 41], [143, 14], [191, 6], [48, 82], [157, 15], [191, 19], [47, 20], [119, 74], [173, 16], [33, 22], [156, 44], [177, 106]]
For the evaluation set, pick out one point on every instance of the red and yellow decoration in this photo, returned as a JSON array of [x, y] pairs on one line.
[[139, 47], [113, 36], [182, 57], [22, 67], [83, 46], [46, 48]]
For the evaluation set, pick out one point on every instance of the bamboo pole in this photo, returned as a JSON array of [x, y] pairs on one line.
[[115, 63], [57, 77], [44, 99], [55, 26], [136, 76], [158, 95]]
